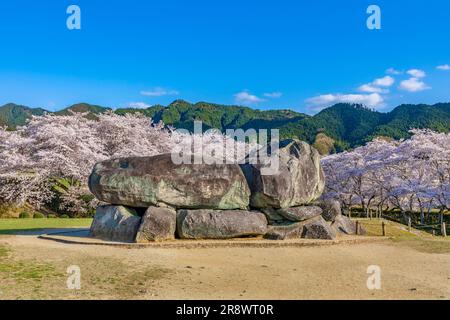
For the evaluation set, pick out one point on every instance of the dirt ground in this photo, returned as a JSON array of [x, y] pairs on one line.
[[32, 268]]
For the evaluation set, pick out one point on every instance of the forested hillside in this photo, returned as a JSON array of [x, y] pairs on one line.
[[334, 129]]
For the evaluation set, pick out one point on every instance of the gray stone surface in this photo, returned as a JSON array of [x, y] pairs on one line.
[[153, 181], [345, 225], [299, 181], [220, 224], [157, 224], [115, 223], [298, 214], [318, 228], [284, 232], [272, 216], [331, 209]]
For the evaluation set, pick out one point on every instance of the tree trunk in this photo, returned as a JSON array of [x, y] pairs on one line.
[[405, 218]]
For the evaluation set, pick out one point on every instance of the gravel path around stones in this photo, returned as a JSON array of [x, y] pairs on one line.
[[320, 272]]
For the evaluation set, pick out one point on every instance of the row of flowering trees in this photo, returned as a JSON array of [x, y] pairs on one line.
[[52, 156], [47, 163], [412, 175]]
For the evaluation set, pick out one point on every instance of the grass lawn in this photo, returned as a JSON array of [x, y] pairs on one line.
[[10, 226], [416, 239], [393, 229]]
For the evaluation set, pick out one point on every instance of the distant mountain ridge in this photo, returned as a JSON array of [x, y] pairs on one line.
[[334, 129]]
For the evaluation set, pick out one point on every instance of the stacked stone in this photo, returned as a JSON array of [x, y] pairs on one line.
[[154, 199]]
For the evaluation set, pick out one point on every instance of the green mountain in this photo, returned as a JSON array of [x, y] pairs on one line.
[[334, 129], [353, 125], [13, 115], [397, 122], [82, 108], [182, 114]]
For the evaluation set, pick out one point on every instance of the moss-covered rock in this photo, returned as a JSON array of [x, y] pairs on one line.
[[155, 181]]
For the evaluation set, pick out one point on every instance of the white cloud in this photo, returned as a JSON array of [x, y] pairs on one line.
[[444, 67], [159, 92], [416, 73], [373, 100], [138, 105], [245, 98], [413, 85], [369, 88], [384, 82], [393, 71], [275, 94], [374, 87]]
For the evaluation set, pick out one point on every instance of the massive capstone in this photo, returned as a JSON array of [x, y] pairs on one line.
[[154, 181], [299, 180]]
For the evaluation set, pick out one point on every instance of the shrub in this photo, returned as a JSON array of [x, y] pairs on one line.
[[24, 215], [52, 216], [38, 215], [64, 216], [10, 211]]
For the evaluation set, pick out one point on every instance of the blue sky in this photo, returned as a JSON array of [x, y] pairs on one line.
[[302, 55]]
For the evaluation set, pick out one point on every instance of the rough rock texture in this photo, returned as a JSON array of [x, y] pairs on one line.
[[345, 225], [298, 214], [157, 224], [152, 181], [115, 223], [331, 209], [318, 228], [215, 224], [299, 180], [272, 216], [284, 232]]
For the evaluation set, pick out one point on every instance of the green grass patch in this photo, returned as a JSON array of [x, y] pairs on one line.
[[30, 274], [3, 252], [11, 226], [393, 229], [416, 239]]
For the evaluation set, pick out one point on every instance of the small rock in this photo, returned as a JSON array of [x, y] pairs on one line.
[[318, 228], [345, 225], [331, 209]]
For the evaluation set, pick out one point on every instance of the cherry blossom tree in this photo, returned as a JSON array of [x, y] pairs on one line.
[[410, 175], [50, 147], [52, 156]]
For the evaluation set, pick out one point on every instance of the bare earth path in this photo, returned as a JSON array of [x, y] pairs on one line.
[[328, 272]]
